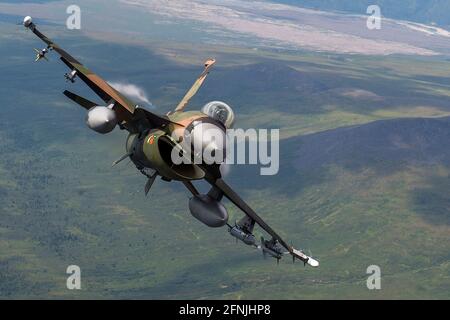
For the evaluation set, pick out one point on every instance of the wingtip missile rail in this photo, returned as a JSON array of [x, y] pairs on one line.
[[240, 234]]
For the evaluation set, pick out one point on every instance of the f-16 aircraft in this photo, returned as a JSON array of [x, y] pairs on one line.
[[153, 139]]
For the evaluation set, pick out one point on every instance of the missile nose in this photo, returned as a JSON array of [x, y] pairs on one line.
[[27, 21]]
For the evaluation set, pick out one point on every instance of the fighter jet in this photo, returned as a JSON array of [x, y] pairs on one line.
[[154, 139]]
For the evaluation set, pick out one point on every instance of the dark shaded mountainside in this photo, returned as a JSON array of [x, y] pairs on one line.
[[308, 88], [376, 150], [374, 193], [267, 84]]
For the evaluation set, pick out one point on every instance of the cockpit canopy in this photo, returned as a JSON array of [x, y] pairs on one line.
[[221, 112]]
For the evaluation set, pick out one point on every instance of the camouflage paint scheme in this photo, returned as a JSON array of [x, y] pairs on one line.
[[152, 137]]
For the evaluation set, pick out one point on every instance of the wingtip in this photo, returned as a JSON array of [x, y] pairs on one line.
[[27, 21]]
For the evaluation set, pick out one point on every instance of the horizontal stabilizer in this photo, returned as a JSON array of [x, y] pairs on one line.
[[125, 156], [85, 103]]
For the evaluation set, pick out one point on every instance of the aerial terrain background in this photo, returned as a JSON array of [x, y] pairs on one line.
[[364, 161]]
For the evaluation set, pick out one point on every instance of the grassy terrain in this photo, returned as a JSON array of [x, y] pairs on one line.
[[62, 204]]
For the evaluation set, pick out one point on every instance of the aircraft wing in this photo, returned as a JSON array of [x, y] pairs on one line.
[[124, 107], [237, 201]]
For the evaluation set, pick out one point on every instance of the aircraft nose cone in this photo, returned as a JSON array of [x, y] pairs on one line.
[[209, 142]]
